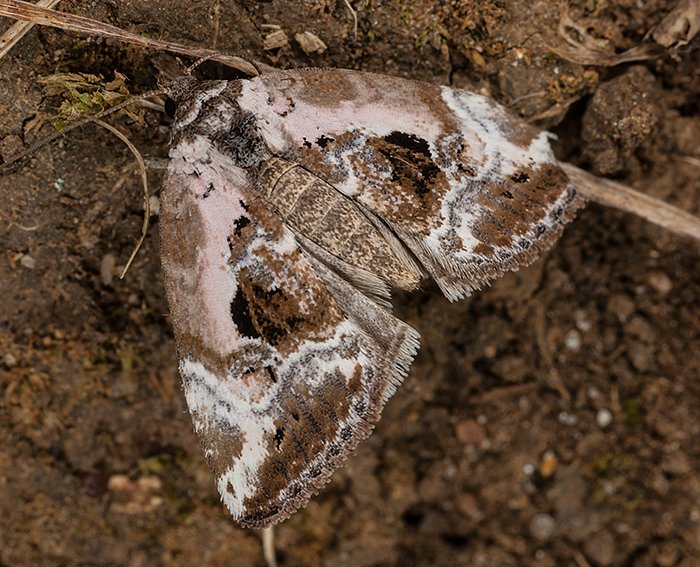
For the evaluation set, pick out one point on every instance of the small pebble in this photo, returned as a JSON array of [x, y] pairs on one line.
[[27, 262], [548, 464], [573, 340], [275, 40], [542, 527], [490, 351], [566, 418], [135, 497], [621, 305], [468, 505], [603, 418], [9, 360], [154, 205], [582, 322], [660, 282], [469, 432], [601, 549], [109, 262], [118, 483]]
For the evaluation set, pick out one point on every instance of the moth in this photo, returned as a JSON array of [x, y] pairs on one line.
[[293, 204]]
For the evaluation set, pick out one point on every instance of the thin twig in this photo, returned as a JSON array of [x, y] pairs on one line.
[[29, 12], [621, 197], [268, 542], [497, 395], [691, 160], [19, 29], [144, 181]]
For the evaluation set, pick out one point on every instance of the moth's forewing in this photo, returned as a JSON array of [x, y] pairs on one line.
[[470, 190], [285, 365]]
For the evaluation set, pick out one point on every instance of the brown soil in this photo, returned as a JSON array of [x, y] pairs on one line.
[[492, 453]]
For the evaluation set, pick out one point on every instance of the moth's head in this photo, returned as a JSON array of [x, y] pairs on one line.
[[182, 88], [210, 110]]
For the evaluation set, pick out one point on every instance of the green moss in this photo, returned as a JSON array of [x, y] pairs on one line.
[[632, 412], [85, 95], [155, 465]]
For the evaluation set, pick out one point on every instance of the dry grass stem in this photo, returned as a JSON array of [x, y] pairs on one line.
[[621, 197], [26, 11], [268, 542], [19, 29]]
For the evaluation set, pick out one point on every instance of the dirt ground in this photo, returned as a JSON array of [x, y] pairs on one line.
[[552, 419]]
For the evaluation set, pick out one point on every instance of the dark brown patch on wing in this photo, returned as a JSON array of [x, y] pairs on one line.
[[416, 183], [271, 314], [411, 161], [226, 445], [310, 424], [516, 207], [327, 89], [267, 304]]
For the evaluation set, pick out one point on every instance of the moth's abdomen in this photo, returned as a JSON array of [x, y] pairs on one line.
[[315, 209]]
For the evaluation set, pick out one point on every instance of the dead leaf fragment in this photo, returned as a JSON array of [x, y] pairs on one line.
[[275, 40], [310, 43], [586, 49], [680, 26]]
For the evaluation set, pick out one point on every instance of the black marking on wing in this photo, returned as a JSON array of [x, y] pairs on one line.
[[271, 373], [409, 141], [324, 140], [239, 224], [412, 164], [279, 436], [240, 313], [260, 313], [520, 177]]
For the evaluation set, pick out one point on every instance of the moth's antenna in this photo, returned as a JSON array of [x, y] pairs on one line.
[[197, 63], [201, 60], [38, 14]]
